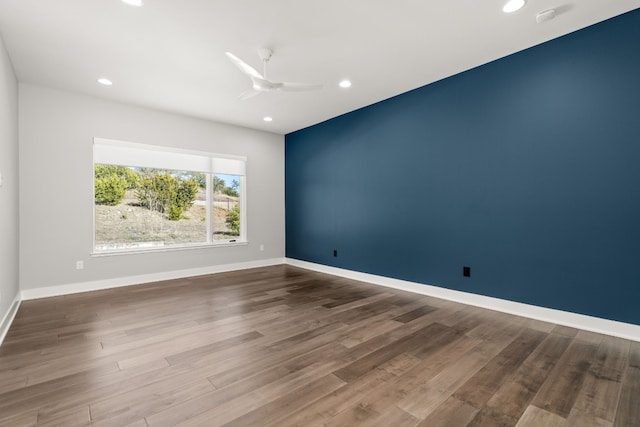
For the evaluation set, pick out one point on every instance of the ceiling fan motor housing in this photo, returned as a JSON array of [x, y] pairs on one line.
[[265, 53]]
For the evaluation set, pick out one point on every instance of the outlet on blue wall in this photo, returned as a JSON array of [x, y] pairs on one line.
[[526, 168]]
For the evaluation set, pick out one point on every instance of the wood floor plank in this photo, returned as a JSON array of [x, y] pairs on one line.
[[197, 352], [76, 391], [560, 390], [139, 403], [482, 386], [438, 389], [237, 368], [628, 413], [8, 384], [26, 418], [414, 314], [498, 329], [384, 339], [330, 406], [276, 377], [432, 335], [453, 412], [536, 417], [511, 400], [376, 401], [394, 417], [491, 417], [272, 412], [289, 347], [578, 418], [634, 354], [368, 329], [602, 385], [74, 417], [60, 369], [258, 410]]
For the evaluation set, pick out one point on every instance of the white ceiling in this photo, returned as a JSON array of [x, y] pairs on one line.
[[169, 54]]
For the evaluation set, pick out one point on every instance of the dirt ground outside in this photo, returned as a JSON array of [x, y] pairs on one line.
[[127, 223]]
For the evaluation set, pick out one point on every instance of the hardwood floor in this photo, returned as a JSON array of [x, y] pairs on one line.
[[284, 346]]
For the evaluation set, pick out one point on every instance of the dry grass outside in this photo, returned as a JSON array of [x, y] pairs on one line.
[[129, 223]]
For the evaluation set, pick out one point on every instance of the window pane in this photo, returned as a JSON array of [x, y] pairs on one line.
[[226, 207], [147, 208]]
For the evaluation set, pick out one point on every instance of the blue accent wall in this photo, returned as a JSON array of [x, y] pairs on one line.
[[526, 169]]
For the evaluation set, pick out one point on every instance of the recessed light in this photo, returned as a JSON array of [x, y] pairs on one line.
[[345, 84], [513, 5], [268, 119], [136, 3], [105, 82]]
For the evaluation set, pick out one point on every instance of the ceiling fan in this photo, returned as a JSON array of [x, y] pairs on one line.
[[260, 81]]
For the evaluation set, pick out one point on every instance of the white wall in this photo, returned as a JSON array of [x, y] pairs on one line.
[[56, 186], [9, 189]]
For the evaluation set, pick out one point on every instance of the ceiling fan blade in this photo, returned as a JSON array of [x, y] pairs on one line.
[[260, 83], [243, 66], [249, 94], [299, 87], [265, 85]]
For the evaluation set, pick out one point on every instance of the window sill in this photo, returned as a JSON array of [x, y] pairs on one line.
[[166, 249]]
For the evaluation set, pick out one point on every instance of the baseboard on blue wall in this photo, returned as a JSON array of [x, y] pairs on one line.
[[74, 288], [574, 320], [7, 320], [588, 323]]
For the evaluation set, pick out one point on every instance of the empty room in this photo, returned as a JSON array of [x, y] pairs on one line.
[[290, 213]]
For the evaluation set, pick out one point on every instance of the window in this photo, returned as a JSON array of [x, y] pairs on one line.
[[148, 197], [225, 212]]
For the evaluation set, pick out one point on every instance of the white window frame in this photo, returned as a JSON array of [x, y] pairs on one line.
[[129, 154]]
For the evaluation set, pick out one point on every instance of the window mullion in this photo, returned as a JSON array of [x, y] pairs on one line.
[[209, 211]]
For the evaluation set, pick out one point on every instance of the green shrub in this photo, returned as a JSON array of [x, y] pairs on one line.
[[105, 171], [233, 220], [230, 192], [145, 193], [175, 212], [167, 194], [186, 193], [109, 190], [155, 191]]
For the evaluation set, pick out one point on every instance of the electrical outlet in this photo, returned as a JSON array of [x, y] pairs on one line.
[[335, 252], [466, 271], [261, 247], [79, 265]]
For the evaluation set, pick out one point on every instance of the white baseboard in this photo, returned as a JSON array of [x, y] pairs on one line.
[[74, 288], [574, 320], [7, 320], [580, 321]]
